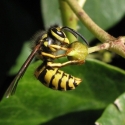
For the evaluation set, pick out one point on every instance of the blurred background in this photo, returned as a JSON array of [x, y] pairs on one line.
[[20, 19]]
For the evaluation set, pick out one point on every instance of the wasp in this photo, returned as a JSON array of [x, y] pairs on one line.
[[46, 48], [49, 74]]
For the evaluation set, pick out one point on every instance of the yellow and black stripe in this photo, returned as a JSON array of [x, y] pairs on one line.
[[56, 79], [47, 47]]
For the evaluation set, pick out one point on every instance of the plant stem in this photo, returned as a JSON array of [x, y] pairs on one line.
[[99, 47], [95, 29], [116, 45], [68, 18]]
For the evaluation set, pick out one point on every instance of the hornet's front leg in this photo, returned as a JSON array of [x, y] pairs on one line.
[[54, 48]]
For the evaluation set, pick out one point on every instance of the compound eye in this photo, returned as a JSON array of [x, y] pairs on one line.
[[58, 33], [61, 34]]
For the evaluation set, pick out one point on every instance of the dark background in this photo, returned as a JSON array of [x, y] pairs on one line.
[[19, 20]]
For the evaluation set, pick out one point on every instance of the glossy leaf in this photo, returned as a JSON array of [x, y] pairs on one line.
[[33, 103], [25, 52], [36, 104], [114, 113]]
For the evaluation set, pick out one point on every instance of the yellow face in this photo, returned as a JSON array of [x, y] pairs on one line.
[[59, 35]]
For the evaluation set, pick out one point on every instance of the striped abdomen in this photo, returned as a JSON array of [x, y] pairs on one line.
[[56, 79]]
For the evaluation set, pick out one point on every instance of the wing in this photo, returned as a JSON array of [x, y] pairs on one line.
[[11, 89]]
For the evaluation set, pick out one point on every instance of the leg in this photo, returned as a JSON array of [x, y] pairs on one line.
[[58, 47], [52, 56], [55, 47], [58, 65]]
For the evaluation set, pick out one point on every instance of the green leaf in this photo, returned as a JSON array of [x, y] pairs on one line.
[[21, 58], [51, 13], [104, 13], [114, 113], [34, 104]]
